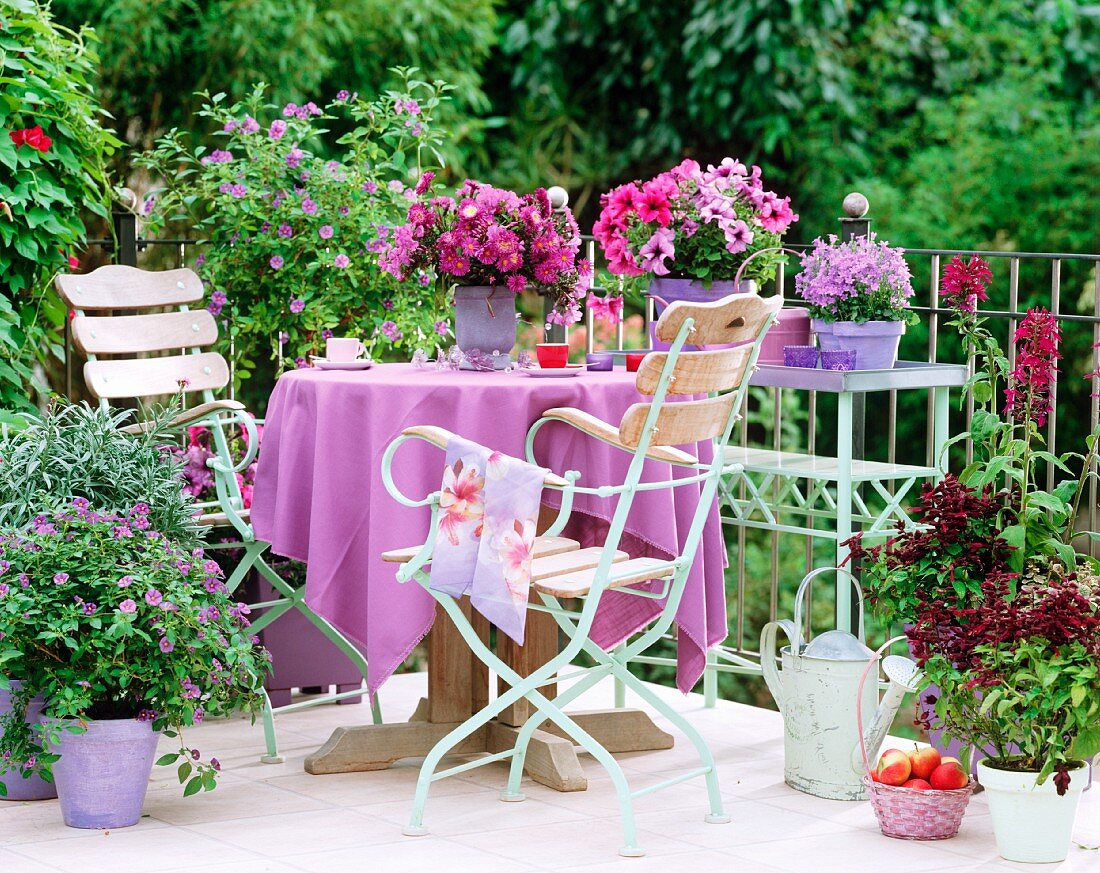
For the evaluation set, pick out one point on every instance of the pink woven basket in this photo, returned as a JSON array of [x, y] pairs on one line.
[[910, 813]]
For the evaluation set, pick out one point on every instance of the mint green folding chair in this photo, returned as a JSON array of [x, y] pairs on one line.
[[173, 340], [562, 572]]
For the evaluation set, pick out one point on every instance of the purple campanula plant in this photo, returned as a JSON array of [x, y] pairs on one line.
[[171, 651], [863, 279]]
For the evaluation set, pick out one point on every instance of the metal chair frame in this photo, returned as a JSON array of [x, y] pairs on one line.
[[220, 417], [577, 624]]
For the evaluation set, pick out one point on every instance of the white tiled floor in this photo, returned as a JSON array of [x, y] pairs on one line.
[[277, 818]]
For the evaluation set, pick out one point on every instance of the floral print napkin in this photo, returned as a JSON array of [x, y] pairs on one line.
[[488, 514]]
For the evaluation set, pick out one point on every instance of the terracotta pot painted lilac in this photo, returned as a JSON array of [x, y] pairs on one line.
[[485, 319], [34, 788], [103, 773], [668, 290], [874, 342]]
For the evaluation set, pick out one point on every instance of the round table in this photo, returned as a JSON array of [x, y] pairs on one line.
[[319, 497]]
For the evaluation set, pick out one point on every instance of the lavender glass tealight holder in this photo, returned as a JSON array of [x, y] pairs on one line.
[[838, 359], [599, 361], [800, 356]]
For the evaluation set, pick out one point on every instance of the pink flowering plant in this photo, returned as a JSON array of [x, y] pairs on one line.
[[694, 224], [198, 477], [488, 236], [106, 618], [863, 279], [295, 218]]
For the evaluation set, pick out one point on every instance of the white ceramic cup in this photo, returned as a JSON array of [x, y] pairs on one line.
[[344, 349]]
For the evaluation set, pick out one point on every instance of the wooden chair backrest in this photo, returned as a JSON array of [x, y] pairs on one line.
[[182, 333], [738, 318]]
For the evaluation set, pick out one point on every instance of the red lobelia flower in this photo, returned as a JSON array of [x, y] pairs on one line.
[[1036, 371], [963, 284]]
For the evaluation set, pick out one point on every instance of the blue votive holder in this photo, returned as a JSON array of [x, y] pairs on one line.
[[838, 359], [800, 356], [600, 361]]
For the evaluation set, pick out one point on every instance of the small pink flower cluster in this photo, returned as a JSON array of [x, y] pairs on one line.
[[673, 222], [964, 284], [1036, 370], [488, 236]]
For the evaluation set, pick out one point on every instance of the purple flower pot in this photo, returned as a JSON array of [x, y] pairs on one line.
[[800, 356], [34, 788], [103, 773], [838, 359], [671, 290], [478, 327], [874, 342]]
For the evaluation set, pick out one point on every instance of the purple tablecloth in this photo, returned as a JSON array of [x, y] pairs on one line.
[[319, 496]]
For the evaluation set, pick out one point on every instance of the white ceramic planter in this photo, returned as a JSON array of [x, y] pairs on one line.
[[1031, 822]]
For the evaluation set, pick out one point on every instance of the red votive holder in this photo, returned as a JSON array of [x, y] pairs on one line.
[[634, 361], [552, 355]]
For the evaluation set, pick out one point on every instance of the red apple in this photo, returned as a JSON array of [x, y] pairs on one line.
[[949, 776], [924, 761], [874, 776], [949, 760], [918, 784], [894, 767]]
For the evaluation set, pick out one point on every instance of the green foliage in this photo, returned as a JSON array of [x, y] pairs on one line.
[[75, 451], [293, 235], [106, 618], [158, 56], [46, 187]]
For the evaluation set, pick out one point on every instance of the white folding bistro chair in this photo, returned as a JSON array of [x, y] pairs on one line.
[[172, 341], [562, 571]]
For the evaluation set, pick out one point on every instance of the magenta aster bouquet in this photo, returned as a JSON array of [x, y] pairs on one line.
[[693, 224], [488, 236], [860, 280]]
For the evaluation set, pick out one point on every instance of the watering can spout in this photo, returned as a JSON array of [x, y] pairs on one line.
[[904, 678], [769, 664]]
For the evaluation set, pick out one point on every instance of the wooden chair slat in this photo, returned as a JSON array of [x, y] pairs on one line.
[[696, 372], [689, 421], [132, 334], [145, 377], [115, 286], [734, 319], [601, 430]]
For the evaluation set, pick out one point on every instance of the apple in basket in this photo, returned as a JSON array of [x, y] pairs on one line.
[[924, 761], [894, 767], [919, 784], [948, 777]]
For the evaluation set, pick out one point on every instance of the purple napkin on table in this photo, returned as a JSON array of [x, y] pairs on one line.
[[488, 515]]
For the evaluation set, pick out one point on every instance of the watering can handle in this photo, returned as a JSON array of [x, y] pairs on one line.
[[745, 263], [872, 662], [768, 655], [804, 587]]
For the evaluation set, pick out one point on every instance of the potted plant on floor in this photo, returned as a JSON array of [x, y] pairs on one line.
[[1013, 655], [858, 293], [686, 233], [123, 633], [491, 245]]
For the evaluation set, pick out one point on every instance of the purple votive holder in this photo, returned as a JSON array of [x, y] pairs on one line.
[[800, 356], [600, 361], [838, 359]]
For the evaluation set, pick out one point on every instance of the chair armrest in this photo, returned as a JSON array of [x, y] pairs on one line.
[[188, 416], [439, 436], [594, 427]]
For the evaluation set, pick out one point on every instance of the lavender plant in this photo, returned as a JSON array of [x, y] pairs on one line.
[[107, 618]]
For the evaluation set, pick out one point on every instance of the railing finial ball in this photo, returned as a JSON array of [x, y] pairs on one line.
[[559, 197], [855, 205], [127, 198]]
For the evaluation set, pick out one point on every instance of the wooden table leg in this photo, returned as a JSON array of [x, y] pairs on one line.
[[540, 644]]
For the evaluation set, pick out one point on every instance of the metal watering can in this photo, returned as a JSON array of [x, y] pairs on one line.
[[816, 692]]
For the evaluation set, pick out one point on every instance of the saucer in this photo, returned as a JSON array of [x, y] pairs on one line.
[[325, 364], [554, 372]]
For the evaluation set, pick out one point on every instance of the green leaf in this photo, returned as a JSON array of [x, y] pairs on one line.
[[165, 760], [1086, 745], [193, 787]]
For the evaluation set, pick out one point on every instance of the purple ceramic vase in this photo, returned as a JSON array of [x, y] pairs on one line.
[[874, 342], [34, 788], [103, 773]]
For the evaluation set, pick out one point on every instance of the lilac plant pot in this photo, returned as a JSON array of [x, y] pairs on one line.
[[35, 787], [478, 327], [874, 342], [666, 291], [103, 773]]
